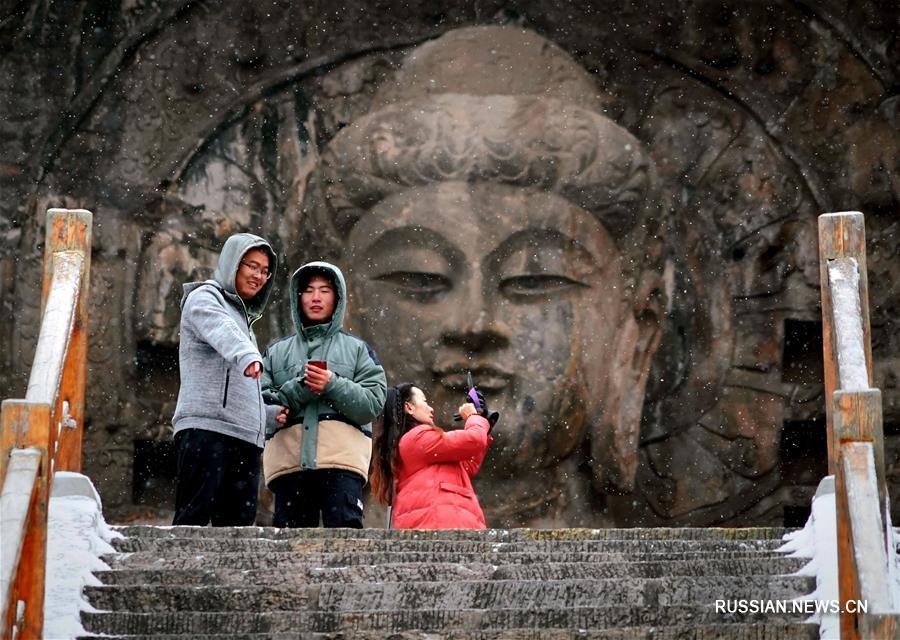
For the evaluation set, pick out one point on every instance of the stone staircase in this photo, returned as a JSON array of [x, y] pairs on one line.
[[254, 583]]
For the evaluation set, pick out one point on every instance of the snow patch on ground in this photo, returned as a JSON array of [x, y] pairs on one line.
[[76, 537]]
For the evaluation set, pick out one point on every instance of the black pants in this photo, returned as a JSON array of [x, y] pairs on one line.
[[217, 479], [302, 497]]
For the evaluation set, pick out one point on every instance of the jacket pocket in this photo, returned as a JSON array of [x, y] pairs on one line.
[[225, 393], [455, 488], [282, 453], [283, 374], [343, 370]]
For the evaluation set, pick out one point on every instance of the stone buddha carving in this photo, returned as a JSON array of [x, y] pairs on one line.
[[493, 220]]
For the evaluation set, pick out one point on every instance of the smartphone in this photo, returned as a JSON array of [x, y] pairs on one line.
[[322, 364]]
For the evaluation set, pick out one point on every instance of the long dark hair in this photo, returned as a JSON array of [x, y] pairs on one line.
[[389, 428]]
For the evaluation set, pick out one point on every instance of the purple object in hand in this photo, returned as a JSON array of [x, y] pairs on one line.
[[473, 392]]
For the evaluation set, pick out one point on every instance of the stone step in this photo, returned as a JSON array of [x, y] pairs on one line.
[[185, 559], [239, 578], [497, 594], [494, 535], [435, 572], [410, 565], [147, 599], [737, 567], [181, 622], [796, 631], [534, 594], [172, 543]]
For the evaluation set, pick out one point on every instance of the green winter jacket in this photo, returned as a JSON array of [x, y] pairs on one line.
[[332, 430]]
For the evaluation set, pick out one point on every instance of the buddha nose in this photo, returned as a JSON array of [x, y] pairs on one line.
[[474, 325], [479, 336]]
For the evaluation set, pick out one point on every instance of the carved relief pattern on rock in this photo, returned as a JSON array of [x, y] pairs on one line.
[[178, 125]]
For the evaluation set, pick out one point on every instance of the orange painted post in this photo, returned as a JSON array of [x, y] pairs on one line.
[[72, 392], [854, 430], [66, 230], [57, 380], [16, 417], [858, 417], [18, 501], [849, 409], [70, 230], [847, 586], [880, 625], [10, 427], [870, 579], [841, 235], [30, 578]]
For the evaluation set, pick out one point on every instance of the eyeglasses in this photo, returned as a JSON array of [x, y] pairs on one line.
[[257, 269]]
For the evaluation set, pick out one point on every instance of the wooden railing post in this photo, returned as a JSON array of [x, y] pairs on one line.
[[858, 417], [867, 578], [841, 235], [70, 230], [858, 421], [855, 432], [48, 424], [32, 422]]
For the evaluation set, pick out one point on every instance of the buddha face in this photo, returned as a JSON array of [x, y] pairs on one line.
[[518, 286]]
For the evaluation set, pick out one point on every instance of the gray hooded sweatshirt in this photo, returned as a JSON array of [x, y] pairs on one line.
[[216, 347]]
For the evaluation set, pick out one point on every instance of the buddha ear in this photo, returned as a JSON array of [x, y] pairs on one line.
[[616, 434]]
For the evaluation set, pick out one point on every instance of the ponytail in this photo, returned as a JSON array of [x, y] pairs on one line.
[[393, 423]]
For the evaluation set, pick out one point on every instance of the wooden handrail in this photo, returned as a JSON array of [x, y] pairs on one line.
[[56, 328], [855, 432], [870, 557], [42, 433], [15, 505]]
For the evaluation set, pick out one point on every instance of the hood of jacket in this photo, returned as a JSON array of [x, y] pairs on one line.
[[229, 262], [326, 329]]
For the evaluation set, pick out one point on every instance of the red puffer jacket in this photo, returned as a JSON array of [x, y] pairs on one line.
[[434, 485]]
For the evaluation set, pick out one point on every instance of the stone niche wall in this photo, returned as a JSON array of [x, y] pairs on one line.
[[684, 148]]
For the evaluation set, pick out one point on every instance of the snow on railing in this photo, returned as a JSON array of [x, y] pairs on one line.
[[32, 442], [843, 277], [855, 431], [56, 328]]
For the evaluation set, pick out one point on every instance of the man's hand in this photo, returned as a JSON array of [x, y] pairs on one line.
[[253, 370], [316, 379], [282, 416], [467, 410]]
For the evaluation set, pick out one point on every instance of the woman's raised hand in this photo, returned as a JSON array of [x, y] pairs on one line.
[[466, 410]]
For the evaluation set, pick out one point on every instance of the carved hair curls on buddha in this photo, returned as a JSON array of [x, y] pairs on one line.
[[524, 141]]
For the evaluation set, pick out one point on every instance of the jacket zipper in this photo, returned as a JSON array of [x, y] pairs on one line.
[[262, 411], [225, 395]]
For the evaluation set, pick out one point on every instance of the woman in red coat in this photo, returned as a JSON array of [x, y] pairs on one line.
[[424, 471]]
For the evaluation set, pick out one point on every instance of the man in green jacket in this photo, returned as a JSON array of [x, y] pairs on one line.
[[334, 387]]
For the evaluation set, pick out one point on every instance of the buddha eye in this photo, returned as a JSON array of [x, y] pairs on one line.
[[537, 285], [421, 286]]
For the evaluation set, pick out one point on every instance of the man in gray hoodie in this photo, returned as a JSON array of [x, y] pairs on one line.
[[220, 420]]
